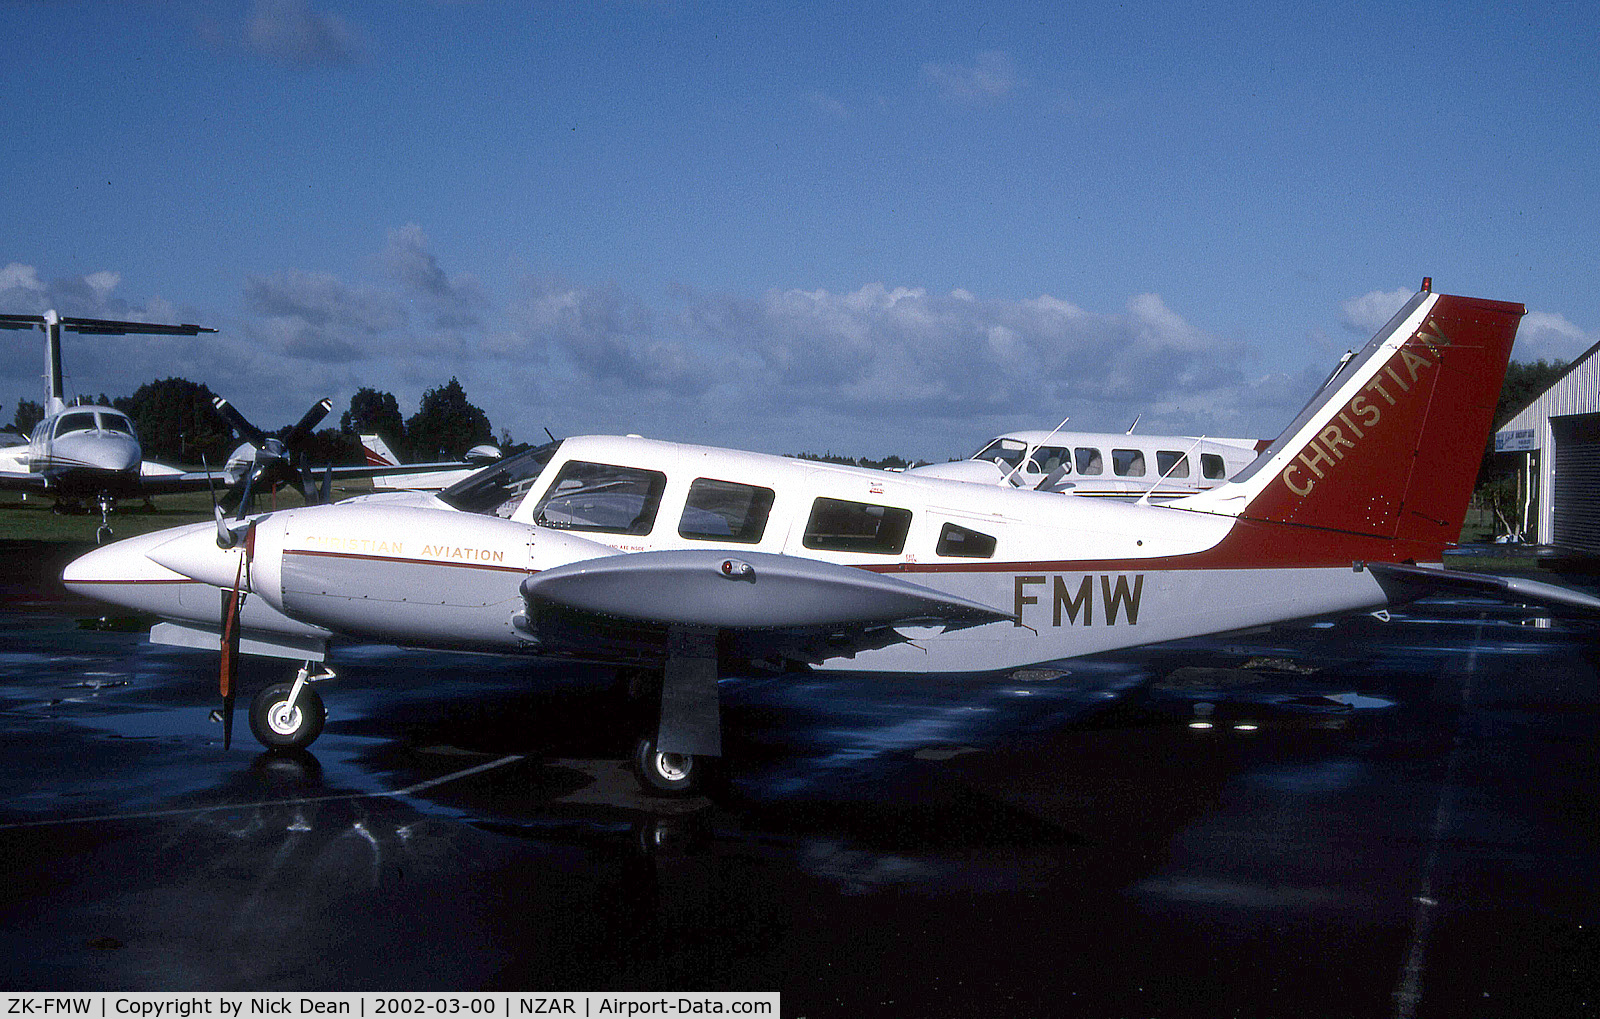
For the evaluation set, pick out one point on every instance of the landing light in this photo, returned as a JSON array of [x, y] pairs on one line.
[[1201, 725]]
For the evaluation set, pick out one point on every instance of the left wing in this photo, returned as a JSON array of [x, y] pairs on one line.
[[764, 604]]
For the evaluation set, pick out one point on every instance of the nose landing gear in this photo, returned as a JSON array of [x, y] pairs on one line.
[[290, 716]]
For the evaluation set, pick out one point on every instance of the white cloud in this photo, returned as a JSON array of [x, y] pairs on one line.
[[990, 77], [824, 103], [406, 258], [1547, 336], [292, 32], [17, 276], [1372, 311], [323, 300]]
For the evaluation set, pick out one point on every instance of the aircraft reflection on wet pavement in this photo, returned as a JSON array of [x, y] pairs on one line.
[[1410, 792]]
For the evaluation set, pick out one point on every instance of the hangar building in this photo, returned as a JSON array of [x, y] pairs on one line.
[[1559, 434]]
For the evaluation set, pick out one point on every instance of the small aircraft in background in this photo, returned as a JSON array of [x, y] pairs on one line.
[[423, 477], [86, 455], [684, 563], [1105, 465]]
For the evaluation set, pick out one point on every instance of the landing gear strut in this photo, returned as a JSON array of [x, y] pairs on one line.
[[290, 716], [107, 504]]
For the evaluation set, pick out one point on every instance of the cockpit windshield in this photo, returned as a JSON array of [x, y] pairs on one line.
[[1004, 451], [499, 489], [115, 423]]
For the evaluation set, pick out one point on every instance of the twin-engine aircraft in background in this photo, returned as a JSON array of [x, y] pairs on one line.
[[1103, 465], [429, 477], [690, 561], [84, 455]]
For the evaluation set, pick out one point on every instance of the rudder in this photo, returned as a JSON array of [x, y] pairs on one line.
[[1390, 447]]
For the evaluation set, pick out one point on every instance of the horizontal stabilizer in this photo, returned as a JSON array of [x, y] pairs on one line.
[[753, 591], [1516, 589], [102, 326]]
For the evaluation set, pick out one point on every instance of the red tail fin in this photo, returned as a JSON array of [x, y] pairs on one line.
[[1390, 447]]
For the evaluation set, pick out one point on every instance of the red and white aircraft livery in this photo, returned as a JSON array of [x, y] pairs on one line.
[[690, 561]]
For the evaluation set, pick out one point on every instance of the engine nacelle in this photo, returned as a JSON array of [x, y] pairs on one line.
[[406, 574]]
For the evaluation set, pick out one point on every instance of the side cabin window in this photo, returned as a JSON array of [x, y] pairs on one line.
[[602, 497], [1212, 468], [840, 526], [77, 421], [1127, 463], [1047, 458], [1003, 451], [725, 511], [1089, 461], [1172, 465], [964, 542]]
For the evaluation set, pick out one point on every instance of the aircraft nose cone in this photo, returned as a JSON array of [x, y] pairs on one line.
[[121, 573], [195, 555]]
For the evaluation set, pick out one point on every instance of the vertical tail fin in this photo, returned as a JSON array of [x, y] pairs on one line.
[[1389, 447], [55, 399], [378, 452]]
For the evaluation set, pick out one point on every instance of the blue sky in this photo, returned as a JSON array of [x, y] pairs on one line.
[[858, 228]]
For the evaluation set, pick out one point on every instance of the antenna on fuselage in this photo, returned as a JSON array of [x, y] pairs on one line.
[[1144, 500]]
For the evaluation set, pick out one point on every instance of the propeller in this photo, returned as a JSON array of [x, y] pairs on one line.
[[232, 602], [270, 465]]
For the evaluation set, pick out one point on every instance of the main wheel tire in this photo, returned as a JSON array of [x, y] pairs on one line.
[[666, 774], [279, 728]]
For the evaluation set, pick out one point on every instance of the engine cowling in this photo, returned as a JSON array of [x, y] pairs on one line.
[[406, 574]]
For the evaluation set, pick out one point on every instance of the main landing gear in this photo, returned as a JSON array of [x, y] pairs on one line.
[[290, 716], [667, 774]]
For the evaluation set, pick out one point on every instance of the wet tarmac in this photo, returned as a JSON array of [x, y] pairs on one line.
[[1381, 819]]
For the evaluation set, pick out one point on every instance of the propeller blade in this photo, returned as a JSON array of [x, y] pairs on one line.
[[248, 492], [247, 431], [327, 485], [313, 417], [230, 652]]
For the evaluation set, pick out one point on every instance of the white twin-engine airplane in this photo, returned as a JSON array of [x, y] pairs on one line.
[[688, 562], [1102, 465]]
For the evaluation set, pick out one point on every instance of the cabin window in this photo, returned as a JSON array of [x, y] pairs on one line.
[[840, 526], [1171, 464], [1127, 463], [75, 422], [1089, 460], [1047, 458], [965, 543], [1212, 467], [602, 497], [1003, 451], [725, 511]]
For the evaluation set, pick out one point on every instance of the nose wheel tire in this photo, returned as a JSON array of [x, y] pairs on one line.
[[280, 727], [666, 774]]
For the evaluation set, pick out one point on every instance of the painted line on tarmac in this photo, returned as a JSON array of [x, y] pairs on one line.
[[143, 815]]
